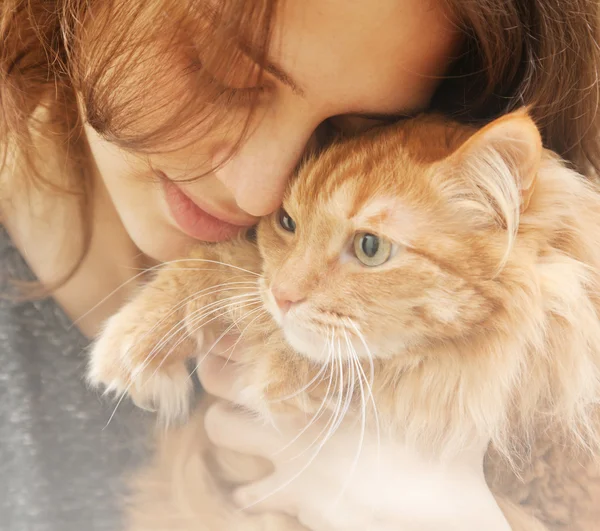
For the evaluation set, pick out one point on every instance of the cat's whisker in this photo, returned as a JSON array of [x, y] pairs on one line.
[[332, 422], [197, 315], [230, 327], [309, 384], [306, 387], [200, 269], [104, 299], [243, 331], [339, 382], [363, 340], [233, 325], [333, 375], [146, 362], [283, 485], [183, 324], [207, 261], [346, 391], [219, 288], [240, 305], [196, 319], [371, 379], [213, 290], [114, 411], [355, 367], [369, 383], [297, 474], [149, 270], [261, 311], [197, 322], [201, 293], [351, 382], [321, 408], [169, 335], [341, 406]]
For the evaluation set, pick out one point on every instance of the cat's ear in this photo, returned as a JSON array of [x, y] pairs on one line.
[[503, 159]]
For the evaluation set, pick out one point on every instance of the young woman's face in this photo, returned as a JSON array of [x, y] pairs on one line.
[[349, 61]]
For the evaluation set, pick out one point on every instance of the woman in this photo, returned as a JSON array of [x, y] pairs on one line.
[[131, 129]]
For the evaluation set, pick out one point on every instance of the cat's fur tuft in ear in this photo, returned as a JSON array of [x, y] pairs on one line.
[[490, 178], [510, 145]]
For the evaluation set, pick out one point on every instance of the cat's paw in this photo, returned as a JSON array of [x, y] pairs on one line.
[[131, 357]]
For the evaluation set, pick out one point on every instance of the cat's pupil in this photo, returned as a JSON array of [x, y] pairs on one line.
[[251, 234], [286, 221], [370, 245]]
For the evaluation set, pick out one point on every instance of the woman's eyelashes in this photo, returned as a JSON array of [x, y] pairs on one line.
[[237, 86], [350, 124]]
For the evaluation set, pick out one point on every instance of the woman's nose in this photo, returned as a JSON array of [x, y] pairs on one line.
[[257, 173]]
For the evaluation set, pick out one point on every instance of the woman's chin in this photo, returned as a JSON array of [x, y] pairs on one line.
[[161, 243]]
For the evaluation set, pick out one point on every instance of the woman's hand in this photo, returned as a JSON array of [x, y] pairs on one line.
[[344, 480]]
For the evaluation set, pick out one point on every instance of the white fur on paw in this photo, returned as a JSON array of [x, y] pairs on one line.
[[166, 390]]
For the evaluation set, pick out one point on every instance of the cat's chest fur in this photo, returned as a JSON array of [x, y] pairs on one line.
[[381, 485]]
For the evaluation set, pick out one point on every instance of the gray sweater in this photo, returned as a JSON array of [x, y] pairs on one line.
[[61, 467]]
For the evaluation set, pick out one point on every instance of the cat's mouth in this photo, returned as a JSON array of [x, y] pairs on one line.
[[333, 324], [322, 322], [319, 338], [316, 332]]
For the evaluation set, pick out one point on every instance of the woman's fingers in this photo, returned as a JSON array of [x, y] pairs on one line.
[[220, 377], [230, 427], [230, 347], [236, 468], [266, 495]]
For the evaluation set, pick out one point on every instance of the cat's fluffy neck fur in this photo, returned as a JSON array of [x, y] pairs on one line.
[[539, 365]]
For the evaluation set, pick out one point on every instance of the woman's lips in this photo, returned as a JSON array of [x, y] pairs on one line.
[[195, 221]]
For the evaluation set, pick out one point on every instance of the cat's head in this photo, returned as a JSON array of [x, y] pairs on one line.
[[401, 238]]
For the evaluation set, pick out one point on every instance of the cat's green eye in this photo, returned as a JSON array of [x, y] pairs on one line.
[[371, 250], [286, 222]]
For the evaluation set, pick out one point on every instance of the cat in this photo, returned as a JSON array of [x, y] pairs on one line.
[[454, 270]]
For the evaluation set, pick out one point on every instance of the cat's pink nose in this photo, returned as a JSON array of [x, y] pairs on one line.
[[283, 304], [285, 299]]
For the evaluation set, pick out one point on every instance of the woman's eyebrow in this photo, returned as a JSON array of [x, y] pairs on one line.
[[274, 69], [280, 74]]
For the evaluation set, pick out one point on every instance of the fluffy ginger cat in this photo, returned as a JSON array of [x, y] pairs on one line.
[[447, 274]]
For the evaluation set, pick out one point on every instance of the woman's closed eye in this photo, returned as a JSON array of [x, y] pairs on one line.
[[242, 85], [355, 124]]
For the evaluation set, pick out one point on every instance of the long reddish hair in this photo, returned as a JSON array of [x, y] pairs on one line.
[[69, 56]]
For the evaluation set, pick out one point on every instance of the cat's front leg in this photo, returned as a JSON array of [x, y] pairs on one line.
[[143, 350]]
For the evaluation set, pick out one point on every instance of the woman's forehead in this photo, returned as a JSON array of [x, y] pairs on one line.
[[331, 57], [381, 56]]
